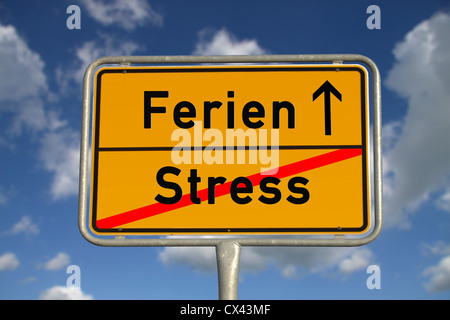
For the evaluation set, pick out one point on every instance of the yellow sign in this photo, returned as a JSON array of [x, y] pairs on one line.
[[230, 149]]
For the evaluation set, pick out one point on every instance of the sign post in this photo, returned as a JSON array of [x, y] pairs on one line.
[[273, 151], [228, 255]]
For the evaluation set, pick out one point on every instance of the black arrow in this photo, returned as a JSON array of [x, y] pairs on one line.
[[326, 88]]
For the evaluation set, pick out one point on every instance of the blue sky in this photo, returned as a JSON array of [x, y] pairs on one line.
[[41, 67]]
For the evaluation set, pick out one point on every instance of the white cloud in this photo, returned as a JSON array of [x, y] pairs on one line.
[[23, 92], [105, 45], [58, 262], [26, 226], [438, 248], [419, 160], [60, 145], [291, 262], [439, 276], [127, 14], [224, 43], [296, 262], [64, 293], [28, 280], [357, 261], [390, 133], [8, 261], [443, 201], [60, 155], [199, 258], [22, 82], [21, 69], [31, 116]]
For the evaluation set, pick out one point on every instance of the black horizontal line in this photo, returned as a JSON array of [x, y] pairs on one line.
[[229, 68], [176, 148], [230, 230]]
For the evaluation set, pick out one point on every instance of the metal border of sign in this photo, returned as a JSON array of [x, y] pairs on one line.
[[338, 240]]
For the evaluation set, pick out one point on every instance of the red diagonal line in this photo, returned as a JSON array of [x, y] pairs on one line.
[[224, 189]]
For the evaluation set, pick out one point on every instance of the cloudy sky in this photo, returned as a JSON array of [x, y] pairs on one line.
[[42, 63]]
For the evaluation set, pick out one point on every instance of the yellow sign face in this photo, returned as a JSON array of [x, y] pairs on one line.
[[230, 150]]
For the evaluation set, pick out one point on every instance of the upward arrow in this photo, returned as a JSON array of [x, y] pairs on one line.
[[326, 88]]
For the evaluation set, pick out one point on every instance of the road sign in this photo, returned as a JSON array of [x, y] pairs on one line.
[[230, 150]]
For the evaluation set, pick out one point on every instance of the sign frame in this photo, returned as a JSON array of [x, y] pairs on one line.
[[339, 239]]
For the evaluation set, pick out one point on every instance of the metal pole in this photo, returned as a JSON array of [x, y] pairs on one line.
[[228, 253]]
